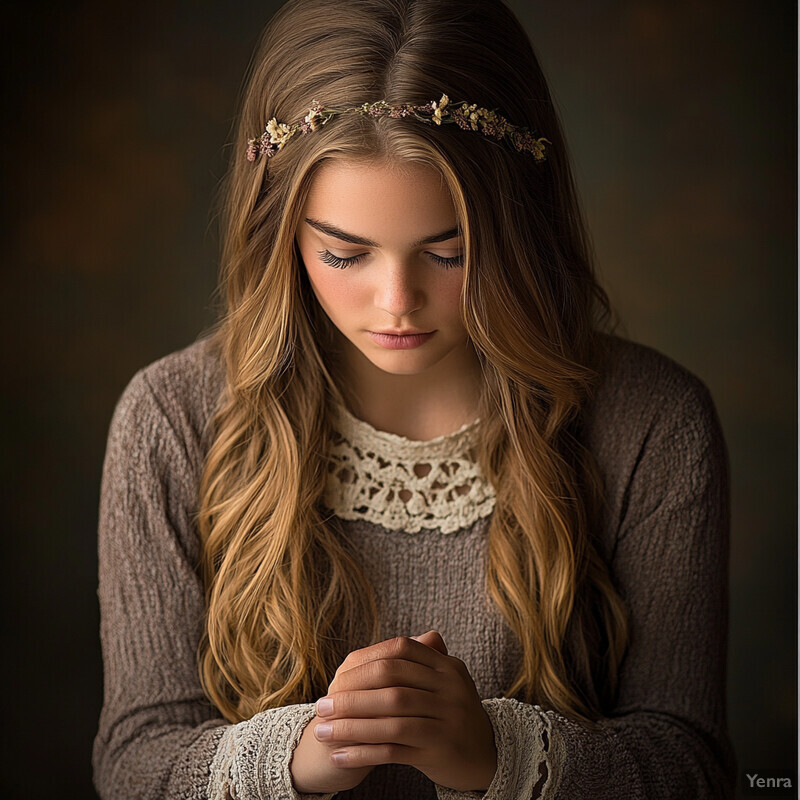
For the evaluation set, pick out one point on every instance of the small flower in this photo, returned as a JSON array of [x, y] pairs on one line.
[[522, 140], [279, 132], [265, 147], [494, 125], [439, 107], [538, 148], [458, 115], [313, 120], [471, 114], [491, 128]]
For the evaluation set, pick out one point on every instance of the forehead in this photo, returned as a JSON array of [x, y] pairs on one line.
[[367, 197]]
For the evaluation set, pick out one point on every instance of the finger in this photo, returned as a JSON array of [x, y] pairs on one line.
[[364, 755], [394, 701], [386, 672], [405, 731], [399, 647], [433, 639]]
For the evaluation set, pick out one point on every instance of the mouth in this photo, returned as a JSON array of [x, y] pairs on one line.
[[395, 341], [407, 332]]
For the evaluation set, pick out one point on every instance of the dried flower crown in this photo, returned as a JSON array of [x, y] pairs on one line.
[[466, 116]]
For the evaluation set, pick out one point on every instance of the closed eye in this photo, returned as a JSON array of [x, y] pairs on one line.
[[448, 263], [335, 261]]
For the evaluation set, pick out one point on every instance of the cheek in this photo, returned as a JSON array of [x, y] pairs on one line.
[[334, 294], [449, 293]]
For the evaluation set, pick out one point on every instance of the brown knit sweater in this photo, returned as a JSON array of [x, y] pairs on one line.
[[656, 436]]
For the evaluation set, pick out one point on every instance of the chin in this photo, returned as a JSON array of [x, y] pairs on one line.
[[395, 370]]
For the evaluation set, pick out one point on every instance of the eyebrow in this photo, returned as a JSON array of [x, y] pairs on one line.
[[337, 233]]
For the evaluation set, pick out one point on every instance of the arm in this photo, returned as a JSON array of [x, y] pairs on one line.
[[666, 736], [158, 735]]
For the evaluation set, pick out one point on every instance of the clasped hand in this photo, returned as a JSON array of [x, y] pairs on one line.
[[405, 701]]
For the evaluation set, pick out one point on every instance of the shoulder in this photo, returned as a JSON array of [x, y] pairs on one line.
[[641, 373], [639, 388], [154, 458], [190, 377], [652, 427], [177, 392]]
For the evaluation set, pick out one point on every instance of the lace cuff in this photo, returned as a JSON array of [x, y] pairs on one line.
[[253, 757], [529, 757]]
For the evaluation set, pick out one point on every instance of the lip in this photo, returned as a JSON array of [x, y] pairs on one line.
[[406, 332], [393, 341]]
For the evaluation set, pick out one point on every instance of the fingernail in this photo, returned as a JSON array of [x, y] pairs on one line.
[[324, 730], [339, 758], [324, 706]]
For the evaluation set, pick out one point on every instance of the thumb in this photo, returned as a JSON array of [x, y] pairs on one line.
[[432, 639]]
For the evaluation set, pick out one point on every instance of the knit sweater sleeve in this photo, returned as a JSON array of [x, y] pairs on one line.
[[665, 738], [158, 736]]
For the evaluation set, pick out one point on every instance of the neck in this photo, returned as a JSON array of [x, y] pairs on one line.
[[420, 406]]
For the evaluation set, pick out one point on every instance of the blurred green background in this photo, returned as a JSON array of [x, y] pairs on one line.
[[682, 121]]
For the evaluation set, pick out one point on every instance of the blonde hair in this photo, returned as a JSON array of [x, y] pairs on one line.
[[285, 597]]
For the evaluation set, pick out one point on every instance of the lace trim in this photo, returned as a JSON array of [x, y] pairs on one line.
[[228, 780], [403, 484], [529, 757], [253, 757], [221, 773]]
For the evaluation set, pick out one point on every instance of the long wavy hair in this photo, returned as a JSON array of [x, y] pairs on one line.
[[286, 599]]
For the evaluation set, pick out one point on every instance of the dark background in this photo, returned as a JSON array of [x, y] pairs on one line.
[[681, 117]]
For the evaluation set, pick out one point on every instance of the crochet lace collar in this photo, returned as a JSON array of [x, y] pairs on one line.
[[405, 484]]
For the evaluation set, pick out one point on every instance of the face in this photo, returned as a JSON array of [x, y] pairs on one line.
[[384, 257]]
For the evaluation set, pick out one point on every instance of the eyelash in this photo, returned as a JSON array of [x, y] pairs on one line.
[[342, 263]]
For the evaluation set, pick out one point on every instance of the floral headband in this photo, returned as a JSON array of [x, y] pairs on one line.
[[466, 116]]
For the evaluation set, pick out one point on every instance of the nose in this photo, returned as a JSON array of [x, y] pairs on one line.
[[399, 292]]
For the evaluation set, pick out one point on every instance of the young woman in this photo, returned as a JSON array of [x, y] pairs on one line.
[[411, 521]]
